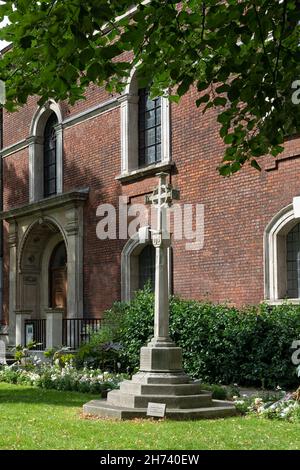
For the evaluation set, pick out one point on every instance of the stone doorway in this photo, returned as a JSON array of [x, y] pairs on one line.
[[43, 270], [35, 230], [58, 281]]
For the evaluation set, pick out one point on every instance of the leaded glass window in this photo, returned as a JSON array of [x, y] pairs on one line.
[[149, 128], [50, 156], [147, 266], [293, 262]]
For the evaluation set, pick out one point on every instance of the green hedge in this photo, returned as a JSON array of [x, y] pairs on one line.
[[221, 344]]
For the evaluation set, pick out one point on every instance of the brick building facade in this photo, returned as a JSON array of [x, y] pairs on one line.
[[250, 231]]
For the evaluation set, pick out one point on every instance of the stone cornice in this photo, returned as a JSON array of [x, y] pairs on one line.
[[89, 113], [73, 197], [22, 144], [145, 172]]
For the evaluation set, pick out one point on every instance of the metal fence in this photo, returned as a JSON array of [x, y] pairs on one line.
[[35, 330], [77, 331]]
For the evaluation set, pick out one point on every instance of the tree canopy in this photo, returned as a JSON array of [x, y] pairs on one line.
[[242, 56]]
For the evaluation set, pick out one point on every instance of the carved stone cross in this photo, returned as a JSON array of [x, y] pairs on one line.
[[161, 199]]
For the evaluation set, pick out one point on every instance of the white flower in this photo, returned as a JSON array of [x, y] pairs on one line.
[[258, 401]]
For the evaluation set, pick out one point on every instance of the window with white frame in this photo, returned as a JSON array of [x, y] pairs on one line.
[[149, 128], [282, 257], [145, 129]]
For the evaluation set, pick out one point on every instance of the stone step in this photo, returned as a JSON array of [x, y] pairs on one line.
[[101, 408], [128, 386], [128, 400], [157, 378]]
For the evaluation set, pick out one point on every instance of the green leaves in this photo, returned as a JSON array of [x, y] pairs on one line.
[[242, 57], [94, 71], [26, 41], [221, 344]]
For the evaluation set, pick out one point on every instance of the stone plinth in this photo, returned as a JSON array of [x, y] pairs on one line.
[[161, 379], [54, 317]]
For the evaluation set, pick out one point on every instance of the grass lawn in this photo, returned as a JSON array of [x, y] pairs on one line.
[[31, 418]]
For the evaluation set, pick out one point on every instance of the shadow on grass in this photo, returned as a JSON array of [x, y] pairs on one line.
[[33, 395]]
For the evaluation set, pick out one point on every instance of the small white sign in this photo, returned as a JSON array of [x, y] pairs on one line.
[[2, 352], [29, 334], [157, 410]]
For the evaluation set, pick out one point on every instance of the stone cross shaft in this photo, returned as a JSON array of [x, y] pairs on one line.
[[161, 199]]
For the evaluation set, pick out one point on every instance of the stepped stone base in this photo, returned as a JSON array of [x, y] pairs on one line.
[[218, 409], [160, 380]]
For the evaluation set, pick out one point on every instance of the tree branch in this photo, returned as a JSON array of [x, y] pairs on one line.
[[281, 38], [262, 40]]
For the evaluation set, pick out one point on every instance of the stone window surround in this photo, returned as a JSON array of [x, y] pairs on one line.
[[129, 134], [130, 266], [275, 278], [36, 150]]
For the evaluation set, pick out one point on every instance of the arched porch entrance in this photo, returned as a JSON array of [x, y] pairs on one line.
[[35, 230], [43, 273]]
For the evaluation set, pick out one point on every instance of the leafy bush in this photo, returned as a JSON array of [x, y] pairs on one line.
[[218, 392], [101, 351], [60, 356], [221, 344], [134, 329], [23, 354]]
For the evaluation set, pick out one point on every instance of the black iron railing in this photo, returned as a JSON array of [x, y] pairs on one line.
[[77, 331], [35, 330]]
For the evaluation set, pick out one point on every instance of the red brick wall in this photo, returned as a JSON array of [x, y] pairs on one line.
[[237, 209]]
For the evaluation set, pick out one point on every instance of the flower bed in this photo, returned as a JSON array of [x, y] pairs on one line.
[[66, 378], [284, 406]]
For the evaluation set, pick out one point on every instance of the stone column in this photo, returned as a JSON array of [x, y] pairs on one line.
[[12, 242], [161, 242], [59, 158], [36, 181], [161, 354], [54, 320], [21, 316], [74, 230], [4, 334], [129, 132]]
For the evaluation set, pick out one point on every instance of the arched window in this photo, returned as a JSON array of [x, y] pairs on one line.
[[50, 164], [138, 267], [147, 266], [149, 128], [293, 262], [46, 152], [282, 257]]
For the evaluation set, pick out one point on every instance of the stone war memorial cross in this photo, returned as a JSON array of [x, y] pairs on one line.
[[161, 199], [161, 379]]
